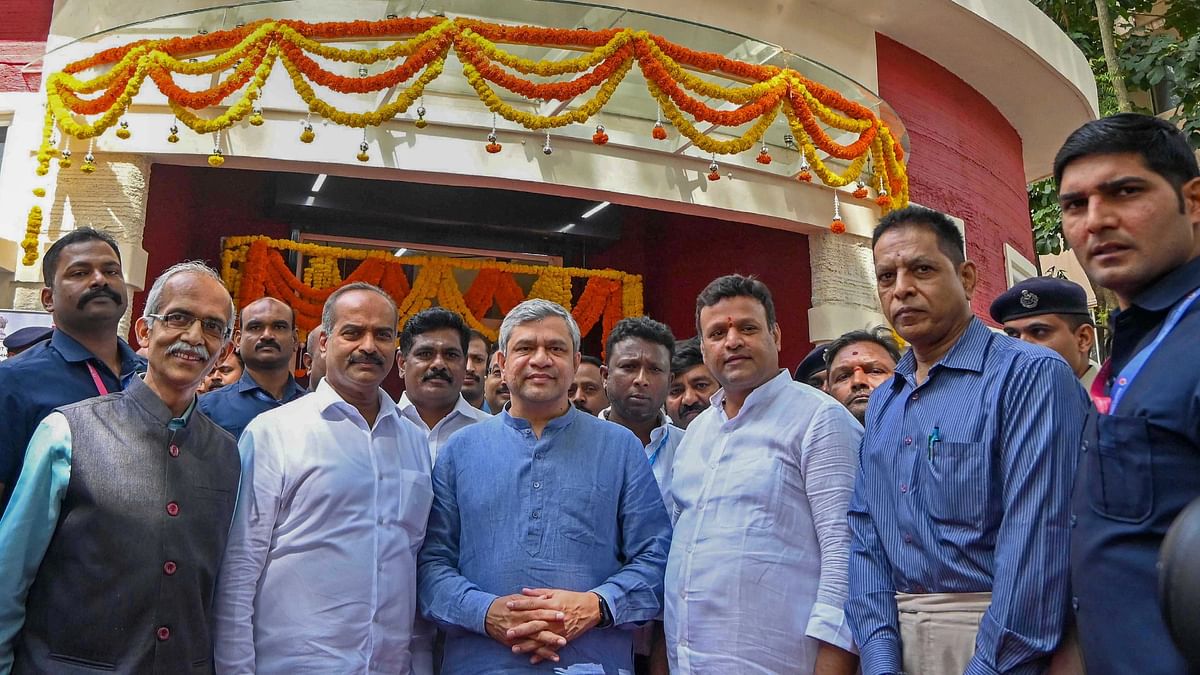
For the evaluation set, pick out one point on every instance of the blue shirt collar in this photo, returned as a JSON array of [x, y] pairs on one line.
[[73, 352], [1170, 289], [291, 391], [560, 422], [966, 354]]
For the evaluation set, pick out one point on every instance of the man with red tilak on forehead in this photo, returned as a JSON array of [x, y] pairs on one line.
[[858, 362], [761, 484]]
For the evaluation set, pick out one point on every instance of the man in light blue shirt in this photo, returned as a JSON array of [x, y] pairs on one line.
[[548, 536], [960, 512], [112, 541]]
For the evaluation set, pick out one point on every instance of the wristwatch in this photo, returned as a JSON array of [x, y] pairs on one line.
[[606, 617]]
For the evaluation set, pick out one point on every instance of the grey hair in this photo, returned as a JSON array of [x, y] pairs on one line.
[[327, 313], [154, 299], [535, 310]]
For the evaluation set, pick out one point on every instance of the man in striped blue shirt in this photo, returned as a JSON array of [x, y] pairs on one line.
[[959, 516]]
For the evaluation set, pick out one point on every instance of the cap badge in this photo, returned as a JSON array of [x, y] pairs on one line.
[[1028, 300]]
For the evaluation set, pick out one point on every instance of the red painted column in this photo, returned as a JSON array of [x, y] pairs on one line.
[[24, 25], [965, 160]]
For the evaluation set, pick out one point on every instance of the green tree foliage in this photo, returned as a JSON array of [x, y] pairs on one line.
[[1157, 50]]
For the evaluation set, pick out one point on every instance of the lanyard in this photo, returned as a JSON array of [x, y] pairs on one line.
[[661, 442], [103, 390], [1107, 405]]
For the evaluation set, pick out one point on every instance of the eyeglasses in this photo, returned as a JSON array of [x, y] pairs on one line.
[[214, 328]]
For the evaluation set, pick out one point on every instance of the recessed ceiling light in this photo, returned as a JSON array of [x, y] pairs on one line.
[[596, 209]]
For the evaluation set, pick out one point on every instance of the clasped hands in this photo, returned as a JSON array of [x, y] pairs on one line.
[[540, 621]]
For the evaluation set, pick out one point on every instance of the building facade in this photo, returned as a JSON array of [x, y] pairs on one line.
[[980, 93]]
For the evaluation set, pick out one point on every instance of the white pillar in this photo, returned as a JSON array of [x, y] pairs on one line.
[[111, 199], [843, 286]]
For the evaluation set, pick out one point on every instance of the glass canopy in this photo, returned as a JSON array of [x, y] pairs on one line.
[[627, 116]]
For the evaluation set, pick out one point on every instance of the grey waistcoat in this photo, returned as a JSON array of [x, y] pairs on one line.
[[127, 581]]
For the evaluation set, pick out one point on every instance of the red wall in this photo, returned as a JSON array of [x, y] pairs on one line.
[[24, 25], [965, 160], [189, 209], [678, 255]]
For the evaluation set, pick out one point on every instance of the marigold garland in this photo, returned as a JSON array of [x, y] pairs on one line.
[[244, 58], [253, 267]]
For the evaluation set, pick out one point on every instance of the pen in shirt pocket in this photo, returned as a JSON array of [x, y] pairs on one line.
[[934, 439]]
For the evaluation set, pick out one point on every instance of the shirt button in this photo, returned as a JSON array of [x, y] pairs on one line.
[[172, 509], [1085, 443], [538, 456], [907, 538], [691, 547], [700, 506], [169, 567], [380, 521], [163, 633], [908, 440], [380, 476], [537, 485], [174, 450], [1075, 603], [904, 487], [537, 514], [915, 396], [1074, 520]]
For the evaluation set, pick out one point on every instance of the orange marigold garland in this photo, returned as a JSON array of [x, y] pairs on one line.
[[242, 59]]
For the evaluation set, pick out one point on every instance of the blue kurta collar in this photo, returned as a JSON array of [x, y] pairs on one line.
[[522, 424]]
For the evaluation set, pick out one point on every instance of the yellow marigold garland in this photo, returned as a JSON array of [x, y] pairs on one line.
[[258, 47], [435, 280]]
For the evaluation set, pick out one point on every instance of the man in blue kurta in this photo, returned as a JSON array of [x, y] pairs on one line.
[[548, 536], [1129, 188], [85, 293]]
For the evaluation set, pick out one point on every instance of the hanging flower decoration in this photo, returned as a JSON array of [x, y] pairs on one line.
[[837, 226], [241, 60], [253, 267]]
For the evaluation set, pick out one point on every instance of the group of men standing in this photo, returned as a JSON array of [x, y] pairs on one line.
[[962, 507]]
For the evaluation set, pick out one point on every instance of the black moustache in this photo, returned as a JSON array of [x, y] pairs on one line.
[[367, 358], [266, 343], [685, 409], [102, 292], [437, 375]]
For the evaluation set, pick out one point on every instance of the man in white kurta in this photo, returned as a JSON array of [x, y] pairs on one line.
[[756, 578], [319, 575]]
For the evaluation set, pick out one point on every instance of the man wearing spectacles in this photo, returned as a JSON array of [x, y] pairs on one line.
[[116, 529], [86, 296], [267, 343]]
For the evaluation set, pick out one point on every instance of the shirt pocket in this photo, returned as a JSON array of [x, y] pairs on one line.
[[961, 483], [416, 498], [1121, 476], [576, 515]]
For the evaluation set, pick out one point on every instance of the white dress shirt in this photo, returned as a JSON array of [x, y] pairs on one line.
[[757, 569], [664, 440], [463, 415], [320, 571]]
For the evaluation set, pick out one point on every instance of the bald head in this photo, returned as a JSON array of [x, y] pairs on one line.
[[267, 340], [314, 360], [276, 302]]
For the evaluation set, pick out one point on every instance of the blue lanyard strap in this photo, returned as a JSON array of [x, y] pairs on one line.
[[661, 442], [1134, 367]]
